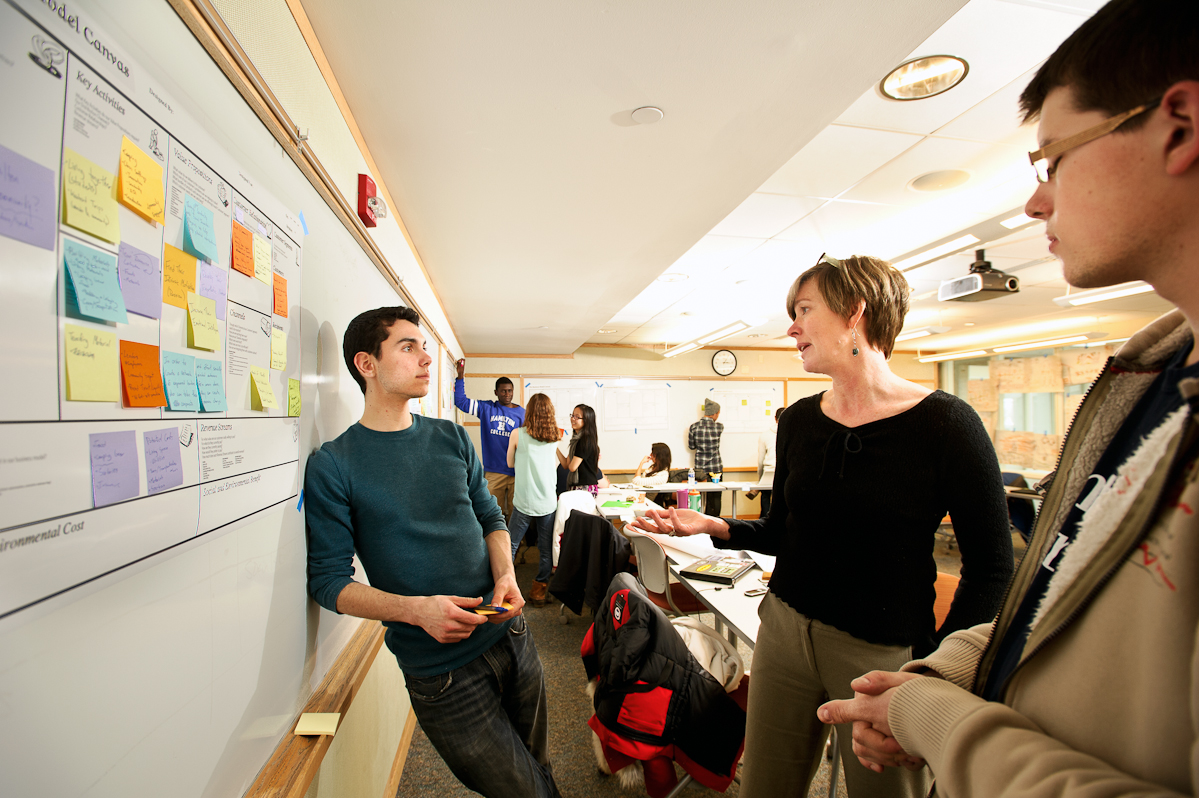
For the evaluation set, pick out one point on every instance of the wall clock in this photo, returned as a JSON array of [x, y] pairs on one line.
[[724, 362]]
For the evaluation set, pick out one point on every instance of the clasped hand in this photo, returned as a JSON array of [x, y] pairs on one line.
[[448, 619], [873, 743]]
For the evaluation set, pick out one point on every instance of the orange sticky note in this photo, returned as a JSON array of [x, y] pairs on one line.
[[178, 276], [142, 375], [280, 295], [243, 250]]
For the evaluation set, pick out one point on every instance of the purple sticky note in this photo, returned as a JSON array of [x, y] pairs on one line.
[[214, 284], [27, 194], [164, 466], [114, 466], [141, 282]]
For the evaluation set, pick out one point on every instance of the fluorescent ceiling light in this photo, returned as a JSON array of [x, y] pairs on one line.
[[678, 350], [1102, 294], [732, 329], [952, 356], [935, 252], [1018, 220], [920, 332], [1072, 339]]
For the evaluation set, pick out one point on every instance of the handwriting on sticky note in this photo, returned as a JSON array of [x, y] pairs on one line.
[[243, 250], [93, 290], [202, 329], [262, 259], [280, 295], [178, 276], [114, 466], [139, 182], [93, 370], [278, 349], [26, 200], [262, 395], [138, 272], [214, 284], [164, 465], [211, 385], [143, 377], [199, 233], [179, 377], [87, 197], [293, 397]]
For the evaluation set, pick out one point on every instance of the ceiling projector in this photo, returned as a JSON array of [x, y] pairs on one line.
[[983, 282]]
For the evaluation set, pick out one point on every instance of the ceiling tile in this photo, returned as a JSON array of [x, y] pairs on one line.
[[996, 119], [889, 185], [765, 215], [837, 158]]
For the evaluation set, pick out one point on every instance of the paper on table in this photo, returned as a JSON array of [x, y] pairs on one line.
[[87, 197], [93, 373], [143, 377], [114, 466], [262, 259], [764, 561], [178, 276], [26, 200], [199, 235], [164, 465], [202, 330], [211, 384], [243, 250], [93, 289], [278, 349], [695, 545], [214, 284], [138, 273], [139, 182], [262, 395], [293, 397], [179, 375], [280, 295]]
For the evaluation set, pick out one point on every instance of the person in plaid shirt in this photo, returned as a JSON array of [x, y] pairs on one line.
[[704, 437]]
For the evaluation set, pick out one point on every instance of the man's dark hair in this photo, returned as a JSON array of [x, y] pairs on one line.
[[1126, 55], [502, 381], [368, 331]]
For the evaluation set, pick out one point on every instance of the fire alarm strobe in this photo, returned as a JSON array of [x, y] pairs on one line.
[[370, 206]]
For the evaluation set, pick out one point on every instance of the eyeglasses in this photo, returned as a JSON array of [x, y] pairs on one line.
[[1040, 159], [824, 258], [577, 418]]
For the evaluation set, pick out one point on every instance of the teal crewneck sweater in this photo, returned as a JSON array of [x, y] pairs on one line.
[[414, 506]]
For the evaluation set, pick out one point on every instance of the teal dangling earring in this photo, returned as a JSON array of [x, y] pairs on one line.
[[855, 341]]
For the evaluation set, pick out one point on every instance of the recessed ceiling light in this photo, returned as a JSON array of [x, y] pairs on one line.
[[941, 180], [605, 332], [968, 324], [924, 77], [672, 277], [647, 115]]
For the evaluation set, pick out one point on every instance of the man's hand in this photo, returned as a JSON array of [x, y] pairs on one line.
[[461, 366], [681, 522], [447, 619], [873, 742], [507, 591]]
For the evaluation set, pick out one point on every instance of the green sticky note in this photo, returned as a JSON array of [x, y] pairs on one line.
[[211, 385], [93, 289], [179, 378], [199, 234], [293, 397]]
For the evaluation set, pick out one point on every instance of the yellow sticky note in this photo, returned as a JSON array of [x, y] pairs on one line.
[[87, 197], [278, 349], [139, 182], [316, 723], [293, 397], [93, 365], [261, 395], [744, 402], [262, 259], [202, 330], [178, 276]]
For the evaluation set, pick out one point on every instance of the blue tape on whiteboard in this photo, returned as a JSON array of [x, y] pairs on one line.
[[527, 384], [599, 385], [301, 504], [668, 385], [303, 223]]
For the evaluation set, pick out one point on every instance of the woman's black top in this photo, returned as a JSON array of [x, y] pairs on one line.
[[853, 516], [589, 468]]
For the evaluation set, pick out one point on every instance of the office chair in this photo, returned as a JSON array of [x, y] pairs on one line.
[[653, 574]]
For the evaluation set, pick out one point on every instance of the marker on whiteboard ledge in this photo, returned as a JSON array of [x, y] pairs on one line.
[[317, 723]]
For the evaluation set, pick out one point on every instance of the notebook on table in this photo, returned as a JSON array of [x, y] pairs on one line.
[[719, 568]]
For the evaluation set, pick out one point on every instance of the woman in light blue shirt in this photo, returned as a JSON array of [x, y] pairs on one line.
[[534, 457]]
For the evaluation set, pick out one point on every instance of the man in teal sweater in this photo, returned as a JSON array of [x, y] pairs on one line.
[[407, 494]]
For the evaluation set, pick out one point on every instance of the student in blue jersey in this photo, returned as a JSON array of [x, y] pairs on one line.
[[497, 419], [406, 494], [534, 457]]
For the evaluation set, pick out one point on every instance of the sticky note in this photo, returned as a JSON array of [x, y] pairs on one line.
[[178, 276], [114, 466], [243, 250], [261, 394], [199, 234], [139, 182], [87, 197], [179, 377], [262, 259], [142, 376], [239, 214], [164, 465], [202, 330], [26, 200], [214, 284], [93, 289], [138, 274], [280, 295], [211, 384], [317, 723], [293, 397], [93, 370], [278, 349]]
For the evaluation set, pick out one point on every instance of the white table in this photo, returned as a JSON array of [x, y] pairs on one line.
[[702, 487]]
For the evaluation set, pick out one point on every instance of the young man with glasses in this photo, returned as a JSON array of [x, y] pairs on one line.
[[1086, 683]]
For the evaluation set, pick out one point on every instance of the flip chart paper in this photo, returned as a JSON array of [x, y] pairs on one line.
[[280, 295], [26, 200], [293, 397], [179, 376], [139, 182], [278, 349], [261, 394], [214, 284], [138, 274], [243, 250], [164, 465], [94, 290], [87, 197], [178, 276], [114, 466], [211, 384], [199, 234], [93, 373], [202, 330], [143, 377], [262, 259]]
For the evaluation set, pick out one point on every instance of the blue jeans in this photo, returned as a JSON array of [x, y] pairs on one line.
[[488, 720], [544, 524]]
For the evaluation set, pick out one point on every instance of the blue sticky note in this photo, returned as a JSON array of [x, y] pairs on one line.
[[179, 379], [27, 196], [93, 289], [214, 284], [114, 466], [141, 282], [199, 234], [164, 464], [211, 384], [303, 223]]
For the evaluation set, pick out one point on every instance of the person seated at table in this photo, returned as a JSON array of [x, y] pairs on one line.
[[654, 468], [852, 588], [531, 456], [581, 461]]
